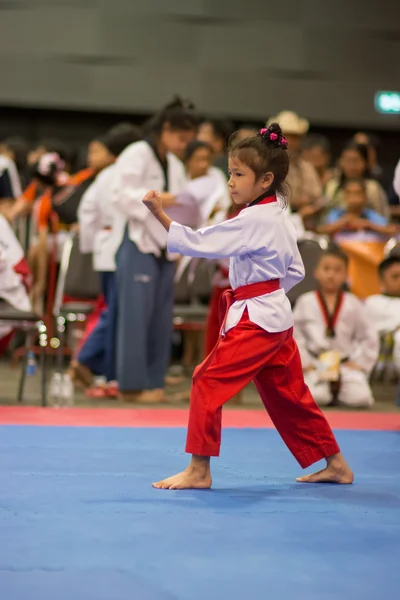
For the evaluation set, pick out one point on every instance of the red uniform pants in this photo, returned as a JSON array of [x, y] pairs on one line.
[[272, 360], [213, 325]]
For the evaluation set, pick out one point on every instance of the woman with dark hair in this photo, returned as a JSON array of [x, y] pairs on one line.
[[145, 271], [354, 164]]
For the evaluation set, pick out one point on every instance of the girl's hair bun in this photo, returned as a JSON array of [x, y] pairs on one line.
[[272, 136]]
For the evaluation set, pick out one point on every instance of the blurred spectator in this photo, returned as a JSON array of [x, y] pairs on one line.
[[371, 142], [101, 230], [353, 164], [16, 149], [198, 162], [355, 216], [34, 188], [316, 150], [14, 272], [58, 207], [45, 146], [10, 186], [305, 187], [145, 273], [48, 173], [198, 159], [396, 180], [246, 131], [394, 204], [216, 133]]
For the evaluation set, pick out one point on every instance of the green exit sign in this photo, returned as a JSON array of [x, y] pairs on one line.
[[388, 102]]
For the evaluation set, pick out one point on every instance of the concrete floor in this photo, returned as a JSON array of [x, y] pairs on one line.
[[385, 394]]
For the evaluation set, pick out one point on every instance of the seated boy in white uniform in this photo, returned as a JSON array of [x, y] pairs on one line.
[[337, 340], [384, 308], [14, 272]]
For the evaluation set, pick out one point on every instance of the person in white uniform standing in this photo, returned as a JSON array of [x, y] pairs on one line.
[[101, 229], [256, 340], [145, 275]]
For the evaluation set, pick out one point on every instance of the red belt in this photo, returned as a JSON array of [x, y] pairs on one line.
[[245, 292]]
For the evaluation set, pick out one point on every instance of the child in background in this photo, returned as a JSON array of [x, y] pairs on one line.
[[356, 216], [338, 343], [256, 339], [384, 309]]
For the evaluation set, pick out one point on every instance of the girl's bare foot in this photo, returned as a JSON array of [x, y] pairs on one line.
[[336, 471], [196, 477]]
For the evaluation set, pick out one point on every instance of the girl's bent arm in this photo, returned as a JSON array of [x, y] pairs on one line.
[[219, 241]]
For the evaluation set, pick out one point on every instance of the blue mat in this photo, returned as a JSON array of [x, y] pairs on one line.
[[80, 521]]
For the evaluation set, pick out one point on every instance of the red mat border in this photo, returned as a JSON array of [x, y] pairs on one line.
[[162, 417]]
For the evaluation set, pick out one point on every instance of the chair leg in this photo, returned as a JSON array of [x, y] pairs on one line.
[[24, 362], [61, 336], [43, 360]]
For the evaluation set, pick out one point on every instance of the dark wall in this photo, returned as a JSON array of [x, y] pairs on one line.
[[244, 58]]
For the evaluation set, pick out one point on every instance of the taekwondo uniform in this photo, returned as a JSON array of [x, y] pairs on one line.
[[256, 339], [349, 333], [145, 273], [384, 313], [101, 229]]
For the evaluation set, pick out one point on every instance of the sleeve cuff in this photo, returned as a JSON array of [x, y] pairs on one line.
[[175, 237]]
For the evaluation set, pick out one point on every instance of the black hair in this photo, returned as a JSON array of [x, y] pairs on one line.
[[373, 140], [192, 147], [222, 128], [362, 150], [52, 145], [316, 140], [180, 114], [335, 251], [119, 137], [263, 153], [392, 259], [47, 173], [19, 146], [358, 180]]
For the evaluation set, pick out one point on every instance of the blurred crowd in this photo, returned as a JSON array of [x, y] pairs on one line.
[[48, 193]]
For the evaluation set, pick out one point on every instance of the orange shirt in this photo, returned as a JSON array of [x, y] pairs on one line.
[[30, 193], [45, 211]]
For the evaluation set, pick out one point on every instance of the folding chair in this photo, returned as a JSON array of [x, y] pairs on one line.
[[310, 248], [78, 288], [192, 294], [30, 323], [392, 247]]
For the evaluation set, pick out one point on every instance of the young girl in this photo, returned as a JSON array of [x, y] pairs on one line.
[[145, 273], [256, 339]]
